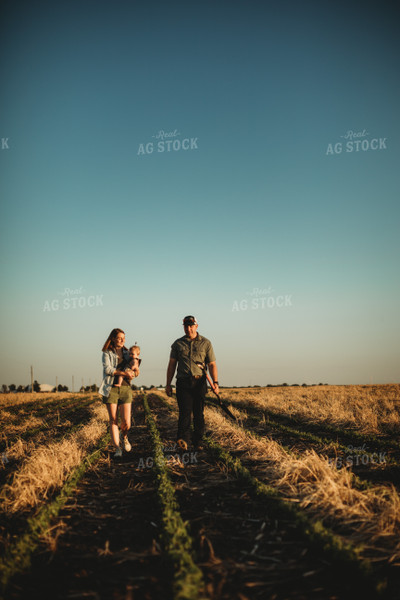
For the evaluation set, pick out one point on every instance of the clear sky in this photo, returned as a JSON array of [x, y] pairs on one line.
[[238, 161]]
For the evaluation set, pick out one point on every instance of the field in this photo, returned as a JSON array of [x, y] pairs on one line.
[[296, 499]]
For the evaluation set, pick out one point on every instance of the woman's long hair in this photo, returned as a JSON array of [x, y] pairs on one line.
[[110, 341]]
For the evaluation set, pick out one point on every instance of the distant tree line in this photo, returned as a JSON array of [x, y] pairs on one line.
[[89, 388], [62, 388], [94, 388], [36, 388]]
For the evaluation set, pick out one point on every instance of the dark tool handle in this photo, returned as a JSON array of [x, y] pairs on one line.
[[222, 404]]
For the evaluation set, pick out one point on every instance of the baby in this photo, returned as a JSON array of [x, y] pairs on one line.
[[132, 364]]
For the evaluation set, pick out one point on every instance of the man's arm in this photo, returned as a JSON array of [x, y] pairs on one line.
[[170, 373], [212, 367]]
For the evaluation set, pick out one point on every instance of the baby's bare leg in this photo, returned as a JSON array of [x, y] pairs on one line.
[[119, 381]]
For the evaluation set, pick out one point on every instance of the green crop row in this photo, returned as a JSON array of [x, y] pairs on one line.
[[18, 556], [336, 446], [39, 407], [345, 555], [358, 483], [48, 423], [188, 578], [278, 419]]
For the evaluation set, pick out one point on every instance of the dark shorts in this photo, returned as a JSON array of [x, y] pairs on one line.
[[119, 395]]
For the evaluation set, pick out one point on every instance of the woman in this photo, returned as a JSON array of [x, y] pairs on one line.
[[114, 352]]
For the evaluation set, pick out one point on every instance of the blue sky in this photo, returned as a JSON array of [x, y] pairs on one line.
[[286, 250]]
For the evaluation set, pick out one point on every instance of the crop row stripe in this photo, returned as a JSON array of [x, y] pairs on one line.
[[13, 471], [39, 407], [305, 435], [343, 553], [357, 481], [26, 435], [188, 578], [329, 429], [18, 555]]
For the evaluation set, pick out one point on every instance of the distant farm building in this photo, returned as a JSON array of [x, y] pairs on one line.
[[44, 387]]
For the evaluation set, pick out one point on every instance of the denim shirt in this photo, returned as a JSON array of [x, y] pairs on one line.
[[110, 362]]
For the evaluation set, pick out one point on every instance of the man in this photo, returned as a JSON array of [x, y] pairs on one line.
[[191, 382]]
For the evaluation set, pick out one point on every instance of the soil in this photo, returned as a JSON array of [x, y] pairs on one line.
[[106, 542], [56, 427], [382, 467]]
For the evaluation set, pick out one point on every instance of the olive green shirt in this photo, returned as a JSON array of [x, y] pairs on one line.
[[187, 352]]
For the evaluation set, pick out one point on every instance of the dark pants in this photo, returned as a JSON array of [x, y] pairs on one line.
[[190, 394]]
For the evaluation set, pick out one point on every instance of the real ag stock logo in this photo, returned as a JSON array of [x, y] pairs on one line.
[[73, 299], [172, 456], [356, 141], [357, 456], [167, 141], [262, 298]]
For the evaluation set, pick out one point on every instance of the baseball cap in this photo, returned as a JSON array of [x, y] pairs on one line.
[[189, 320]]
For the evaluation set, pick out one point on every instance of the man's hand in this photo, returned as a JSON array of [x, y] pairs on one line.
[[212, 367], [170, 375]]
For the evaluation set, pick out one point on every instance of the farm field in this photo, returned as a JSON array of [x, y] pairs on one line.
[[296, 499]]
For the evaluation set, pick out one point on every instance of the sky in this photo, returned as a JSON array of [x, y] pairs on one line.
[[238, 161]]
